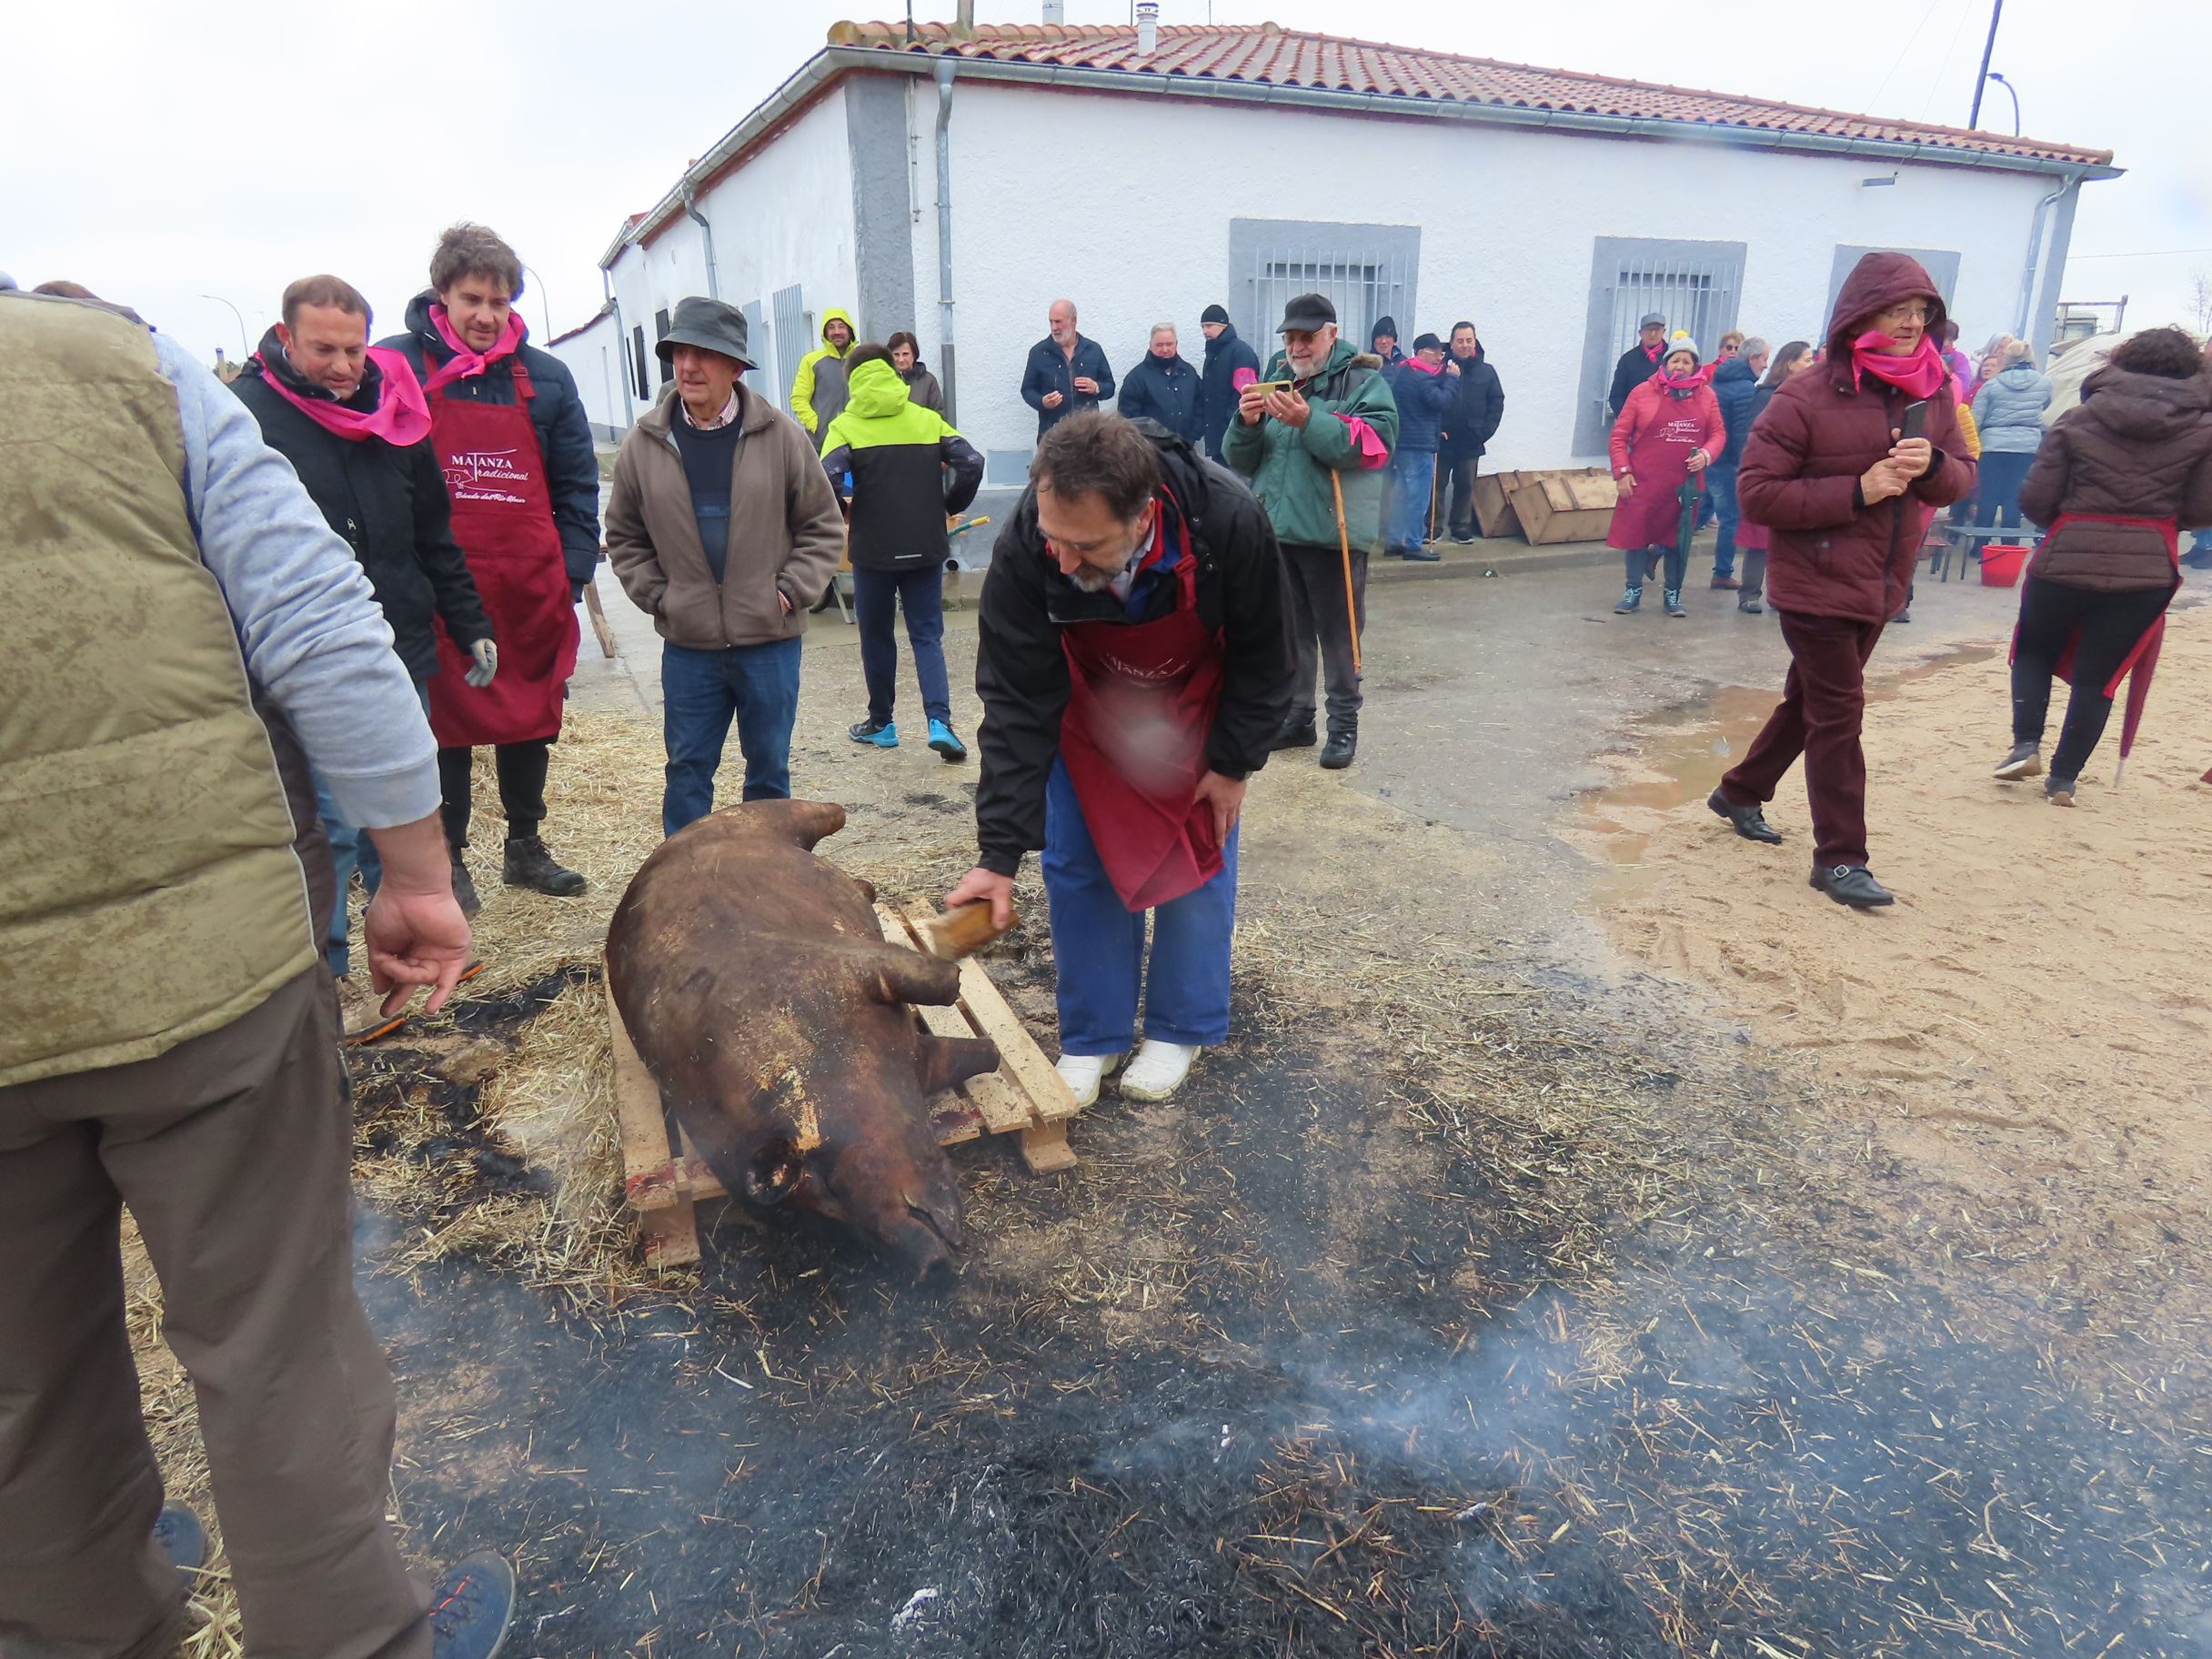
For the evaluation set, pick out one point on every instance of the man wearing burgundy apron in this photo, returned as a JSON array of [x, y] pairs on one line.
[[1135, 665], [510, 432]]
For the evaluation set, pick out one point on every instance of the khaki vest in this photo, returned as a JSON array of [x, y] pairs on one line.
[[148, 888]]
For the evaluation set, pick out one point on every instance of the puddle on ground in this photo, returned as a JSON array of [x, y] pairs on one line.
[[1683, 752]]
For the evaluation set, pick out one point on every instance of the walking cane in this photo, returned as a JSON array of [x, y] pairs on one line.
[[1344, 545]]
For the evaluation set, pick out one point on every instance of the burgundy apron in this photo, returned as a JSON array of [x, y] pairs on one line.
[[503, 519], [1141, 703], [2147, 644], [1660, 459]]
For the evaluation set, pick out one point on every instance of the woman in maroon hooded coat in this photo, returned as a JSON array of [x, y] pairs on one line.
[[1843, 495]]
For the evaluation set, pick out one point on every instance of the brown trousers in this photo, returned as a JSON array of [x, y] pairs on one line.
[[1824, 704], [234, 1152]]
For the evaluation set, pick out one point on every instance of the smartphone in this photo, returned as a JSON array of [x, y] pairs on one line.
[[1265, 386], [1915, 418]]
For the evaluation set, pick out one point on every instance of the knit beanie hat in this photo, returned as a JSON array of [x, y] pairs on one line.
[[1680, 341], [1213, 313], [1383, 325]]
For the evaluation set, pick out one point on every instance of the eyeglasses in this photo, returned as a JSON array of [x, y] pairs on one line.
[[1904, 313]]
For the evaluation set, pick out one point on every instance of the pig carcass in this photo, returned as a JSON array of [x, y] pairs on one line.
[[761, 993]]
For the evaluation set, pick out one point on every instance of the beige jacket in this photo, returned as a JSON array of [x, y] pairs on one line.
[[785, 534]]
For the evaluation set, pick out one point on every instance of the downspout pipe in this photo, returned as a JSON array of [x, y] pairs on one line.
[[607, 285], [706, 234], [2021, 331], [946, 368]]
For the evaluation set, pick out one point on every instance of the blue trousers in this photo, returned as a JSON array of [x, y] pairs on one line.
[[1720, 485], [350, 849], [701, 692], [876, 596], [1098, 944], [1411, 473]]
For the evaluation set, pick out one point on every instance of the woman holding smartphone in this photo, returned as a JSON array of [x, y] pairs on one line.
[[1842, 470]]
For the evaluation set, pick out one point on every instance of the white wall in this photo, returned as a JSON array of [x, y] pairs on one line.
[[1132, 219], [594, 355]]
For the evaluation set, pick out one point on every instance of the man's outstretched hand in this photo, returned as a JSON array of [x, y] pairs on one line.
[[979, 884], [413, 929]]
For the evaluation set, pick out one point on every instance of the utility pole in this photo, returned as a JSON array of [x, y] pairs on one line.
[[1997, 10]]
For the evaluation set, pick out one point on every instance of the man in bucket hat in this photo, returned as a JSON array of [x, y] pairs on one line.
[[723, 528], [1316, 453]]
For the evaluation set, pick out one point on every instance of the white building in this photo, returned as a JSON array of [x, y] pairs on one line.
[[956, 183]]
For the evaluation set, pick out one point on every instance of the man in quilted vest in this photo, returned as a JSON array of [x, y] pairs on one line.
[[194, 637]]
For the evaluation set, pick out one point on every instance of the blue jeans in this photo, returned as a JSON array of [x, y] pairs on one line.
[[700, 692], [1411, 473], [350, 849], [1098, 944], [1720, 487], [876, 597]]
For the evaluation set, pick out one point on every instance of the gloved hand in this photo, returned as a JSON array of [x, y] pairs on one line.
[[486, 654]]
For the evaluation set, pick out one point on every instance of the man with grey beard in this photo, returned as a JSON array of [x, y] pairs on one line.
[[1134, 663]]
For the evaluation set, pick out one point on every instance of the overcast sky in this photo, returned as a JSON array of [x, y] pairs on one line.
[[158, 153]]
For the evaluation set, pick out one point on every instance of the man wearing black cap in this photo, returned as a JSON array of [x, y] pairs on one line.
[[1227, 357], [1316, 453], [1639, 363], [723, 528]]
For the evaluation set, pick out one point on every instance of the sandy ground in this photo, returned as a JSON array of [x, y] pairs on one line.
[[2029, 1021]]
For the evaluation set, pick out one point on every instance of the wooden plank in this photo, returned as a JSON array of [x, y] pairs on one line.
[[995, 1095], [1493, 507], [649, 1178], [1019, 1054], [1045, 1148]]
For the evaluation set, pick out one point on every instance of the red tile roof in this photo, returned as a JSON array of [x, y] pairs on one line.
[[1272, 55]]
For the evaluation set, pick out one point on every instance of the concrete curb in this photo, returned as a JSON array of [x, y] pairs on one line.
[[1490, 558]]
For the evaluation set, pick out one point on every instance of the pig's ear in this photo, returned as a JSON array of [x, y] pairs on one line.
[[801, 822], [890, 973], [948, 1061]]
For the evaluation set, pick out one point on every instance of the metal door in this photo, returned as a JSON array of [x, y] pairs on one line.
[[1693, 285], [790, 305]]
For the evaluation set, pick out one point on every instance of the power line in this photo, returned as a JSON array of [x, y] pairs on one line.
[[2158, 253], [1875, 101]]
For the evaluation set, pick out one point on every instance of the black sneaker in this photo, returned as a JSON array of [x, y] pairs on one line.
[[1749, 821], [1422, 556], [528, 864], [465, 888], [472, 1607], [1296, 733], [2059, 791], [183, 1540], [1337, 752], [1459, 541], [1852, 884], [2025, 762]]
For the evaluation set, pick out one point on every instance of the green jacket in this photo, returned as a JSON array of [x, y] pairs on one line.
[[818, 389], [1290, 467]]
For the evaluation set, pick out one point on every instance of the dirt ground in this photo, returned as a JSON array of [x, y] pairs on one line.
[[1492, 1294]]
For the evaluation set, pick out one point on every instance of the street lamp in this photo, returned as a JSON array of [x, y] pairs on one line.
[[545, 305], [2015, 96], [245, 349]]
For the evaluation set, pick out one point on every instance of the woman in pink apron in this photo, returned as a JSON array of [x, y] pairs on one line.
[[2115, 479], [1669, 431]]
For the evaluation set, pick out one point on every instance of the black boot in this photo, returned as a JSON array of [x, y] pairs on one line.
[[465, 886], [1342, 744], [1296, 732], [1749, 821], [528, 864], [1852, 884]]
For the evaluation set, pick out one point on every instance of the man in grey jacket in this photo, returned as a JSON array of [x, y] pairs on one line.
[[171, 1039], [723, 528]]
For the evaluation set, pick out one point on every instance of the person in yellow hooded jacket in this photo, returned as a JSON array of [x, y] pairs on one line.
[[818, 389], [903, 471]]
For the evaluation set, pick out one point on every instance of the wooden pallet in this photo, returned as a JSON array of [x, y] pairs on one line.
[[664, 1179]]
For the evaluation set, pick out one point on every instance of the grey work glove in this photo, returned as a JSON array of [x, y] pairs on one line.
[[486, 656]]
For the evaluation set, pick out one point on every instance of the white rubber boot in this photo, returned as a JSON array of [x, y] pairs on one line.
[[1158, 1070], [1083, 1072]]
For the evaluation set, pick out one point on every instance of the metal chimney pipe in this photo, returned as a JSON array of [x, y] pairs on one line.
[[1148, 27], [1056, 11], [964, 19]]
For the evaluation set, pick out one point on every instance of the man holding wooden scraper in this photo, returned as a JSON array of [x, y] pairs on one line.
[[1134, 665]]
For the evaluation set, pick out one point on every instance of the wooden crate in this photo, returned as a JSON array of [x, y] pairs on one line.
[[1565, 505], [1493, 507], [664, 1180]]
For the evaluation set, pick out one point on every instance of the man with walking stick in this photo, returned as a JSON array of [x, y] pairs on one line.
[[1314, 435]]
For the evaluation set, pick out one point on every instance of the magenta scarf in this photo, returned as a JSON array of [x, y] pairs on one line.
[[400, 416], [465, 363], [1918, 373], [1682, 386]]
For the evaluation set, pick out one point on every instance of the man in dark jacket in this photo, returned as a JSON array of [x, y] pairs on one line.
[[1164, 388], [1734, 382], [1424, 396], [1846, 497], [1067, 371], [1226, 357], [1639, 363], [352, 422], [1134, 663], [1478, 406], [1382, 342], [526, 492], [909, 470]]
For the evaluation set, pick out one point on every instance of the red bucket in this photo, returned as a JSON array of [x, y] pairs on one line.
[[2001, 563]]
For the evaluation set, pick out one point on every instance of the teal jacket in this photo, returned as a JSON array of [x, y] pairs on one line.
[[1290, 467]]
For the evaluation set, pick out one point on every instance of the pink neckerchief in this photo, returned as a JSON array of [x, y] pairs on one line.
[[400, 416], [1918, 373], [1682, 386], [465, 363]]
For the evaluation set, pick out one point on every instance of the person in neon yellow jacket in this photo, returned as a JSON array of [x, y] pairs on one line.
[[818, 389]]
